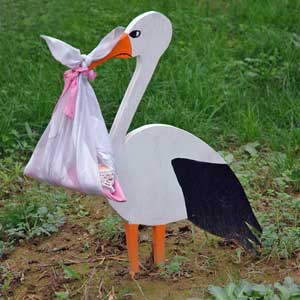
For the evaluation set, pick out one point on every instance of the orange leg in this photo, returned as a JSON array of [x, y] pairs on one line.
[[132, 247], [159, 237]]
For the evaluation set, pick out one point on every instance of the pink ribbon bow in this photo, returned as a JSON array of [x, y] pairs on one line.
[[71, 84]]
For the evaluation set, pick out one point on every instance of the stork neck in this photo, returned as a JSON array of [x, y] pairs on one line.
[[133, 95]]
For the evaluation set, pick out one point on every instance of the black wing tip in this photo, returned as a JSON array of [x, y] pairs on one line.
[[216, 201]]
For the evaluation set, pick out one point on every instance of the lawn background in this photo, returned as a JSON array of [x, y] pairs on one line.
[[230, 75]]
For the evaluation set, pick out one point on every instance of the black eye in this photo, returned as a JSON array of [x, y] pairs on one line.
[[135, 33]]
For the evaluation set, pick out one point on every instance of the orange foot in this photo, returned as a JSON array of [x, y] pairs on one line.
[[132, 274]]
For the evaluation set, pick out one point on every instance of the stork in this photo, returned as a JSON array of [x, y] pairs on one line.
[[168, 174]]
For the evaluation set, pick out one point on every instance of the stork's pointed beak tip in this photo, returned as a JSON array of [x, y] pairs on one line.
[[122, 49]]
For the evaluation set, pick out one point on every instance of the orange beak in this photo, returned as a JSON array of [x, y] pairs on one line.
[[121, 50]]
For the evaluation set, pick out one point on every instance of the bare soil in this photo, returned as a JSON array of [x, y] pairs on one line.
[[102, 265]]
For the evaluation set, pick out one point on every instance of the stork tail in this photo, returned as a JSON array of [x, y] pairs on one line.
[[216, 201]]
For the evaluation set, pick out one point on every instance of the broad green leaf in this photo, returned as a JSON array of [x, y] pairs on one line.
[[62, 295], [69, 272], [218, 292]]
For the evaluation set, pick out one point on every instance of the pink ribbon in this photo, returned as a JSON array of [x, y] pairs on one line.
[[71, 85]]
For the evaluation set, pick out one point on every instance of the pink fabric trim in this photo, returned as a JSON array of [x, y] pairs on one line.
[[118, 195], [71, 83]]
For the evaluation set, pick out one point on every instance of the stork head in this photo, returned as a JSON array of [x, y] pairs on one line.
[[147, 36]]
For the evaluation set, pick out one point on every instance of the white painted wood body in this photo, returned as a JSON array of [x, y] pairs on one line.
[[147, 176], [143, 157]]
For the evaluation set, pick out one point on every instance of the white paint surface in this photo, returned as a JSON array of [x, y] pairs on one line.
[[143, 158], [147, 176]]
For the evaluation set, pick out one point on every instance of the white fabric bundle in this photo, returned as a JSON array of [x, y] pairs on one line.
[[76, 142]]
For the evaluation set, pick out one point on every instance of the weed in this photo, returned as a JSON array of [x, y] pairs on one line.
[[209, 261], [267, 179], [243, 290], [281, 226], [5, 247], [173, 269], [33, 213], [81, 211], [86, 246], [238, 252], [69, 273], [11, 177], [6, 279], [281, 242], [110, 229], [13, 143], [63, 295]]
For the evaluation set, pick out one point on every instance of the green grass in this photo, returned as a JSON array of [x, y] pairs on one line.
[[35, 212], [230, 75], [273, 190]]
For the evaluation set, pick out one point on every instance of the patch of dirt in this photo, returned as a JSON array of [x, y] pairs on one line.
[[102, 265]]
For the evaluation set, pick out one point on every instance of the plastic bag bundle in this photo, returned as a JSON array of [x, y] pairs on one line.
[[75, 150]]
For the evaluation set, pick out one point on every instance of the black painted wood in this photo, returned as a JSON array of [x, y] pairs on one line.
[[216, 201]]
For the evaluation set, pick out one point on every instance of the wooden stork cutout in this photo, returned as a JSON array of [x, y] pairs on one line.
[[168, 174]]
